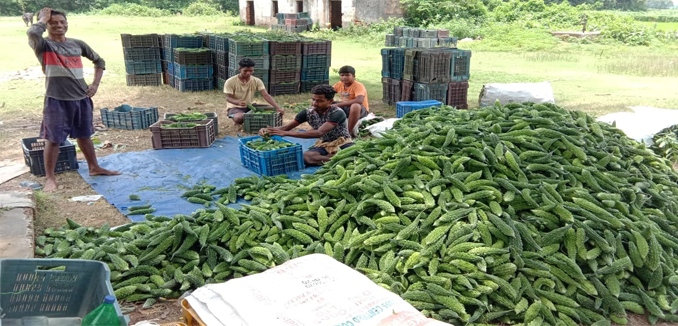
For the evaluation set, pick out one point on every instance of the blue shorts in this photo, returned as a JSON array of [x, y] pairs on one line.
[[61, 119], [324, 152]]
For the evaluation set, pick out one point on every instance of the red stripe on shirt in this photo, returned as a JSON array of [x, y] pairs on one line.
[[52, 58]]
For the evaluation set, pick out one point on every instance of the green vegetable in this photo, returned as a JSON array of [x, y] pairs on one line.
[[267, 144], [134, 197]]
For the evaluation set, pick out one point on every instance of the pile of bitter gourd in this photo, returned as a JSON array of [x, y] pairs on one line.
[[522, 213]]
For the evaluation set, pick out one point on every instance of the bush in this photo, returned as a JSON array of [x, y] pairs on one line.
[[201, 9], [132, 9], [620, 28], [462, 28]]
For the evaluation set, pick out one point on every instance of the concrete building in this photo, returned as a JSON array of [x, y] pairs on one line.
[[326, 13]]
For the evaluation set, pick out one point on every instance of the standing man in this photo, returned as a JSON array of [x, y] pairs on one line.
[[328, 123], [353, 95], [68, 99], [240, 91]]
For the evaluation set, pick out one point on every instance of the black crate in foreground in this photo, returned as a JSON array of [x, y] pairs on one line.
[[62, 290], [34, 151]]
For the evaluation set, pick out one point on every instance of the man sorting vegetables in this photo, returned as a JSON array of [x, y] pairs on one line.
[[329, 125], [240, 90]]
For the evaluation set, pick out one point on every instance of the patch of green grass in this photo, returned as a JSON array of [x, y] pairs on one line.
[[584, 76], [664, 27]]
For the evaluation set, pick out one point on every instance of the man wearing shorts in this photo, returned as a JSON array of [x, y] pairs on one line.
[[328, 123], [240, 91], [353, 97], [68, 105]]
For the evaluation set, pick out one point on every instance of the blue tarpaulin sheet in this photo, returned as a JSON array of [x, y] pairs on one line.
[[159, 177]]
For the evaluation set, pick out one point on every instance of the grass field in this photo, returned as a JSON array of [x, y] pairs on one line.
[[663, 26], [597, 79]]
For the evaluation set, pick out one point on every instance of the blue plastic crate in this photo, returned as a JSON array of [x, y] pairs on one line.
[[61, 290], [315, 74], [403, 108], [143, 67], [269, 163], [397, 63], [128, 117], [182, 41], [193, 71]]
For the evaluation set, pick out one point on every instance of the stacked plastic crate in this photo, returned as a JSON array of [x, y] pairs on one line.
[[218, 43], [293, 23], [192, 63], [315, 63], [407, 37], [424, 73], [285, 67], [172, 42], [242, 46], [142, 59]]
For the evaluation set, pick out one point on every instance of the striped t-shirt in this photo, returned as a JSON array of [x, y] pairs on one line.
[[62, 64]]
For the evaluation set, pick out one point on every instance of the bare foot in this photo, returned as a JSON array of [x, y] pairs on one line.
[[50, 185], [101, 171]]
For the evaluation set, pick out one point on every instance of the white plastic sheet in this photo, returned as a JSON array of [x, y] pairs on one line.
[[516, 93], [380, 127], [643, 123], [307, 291]]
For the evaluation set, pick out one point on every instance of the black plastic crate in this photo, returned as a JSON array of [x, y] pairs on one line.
[[184, 56], [256, 48], [433, 66], [220, 43], [222, 72], [316, 61], [140, 41], [315, 74], [395, 91], [201, 135], [260, 62], [396, 63], [221, 58], [193, 85], [193, 71], [144, 80], [142, 54], [316, 47], [285, 48], [143, 67], [284, 76], [457, 94], [182, 41], [307, 85], [34, 156], [283, 88], [424, 92], [285, 62]]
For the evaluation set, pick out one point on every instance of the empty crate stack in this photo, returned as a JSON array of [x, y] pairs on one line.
[[407, 37], [419, 73], [285, 66], [247, 45], [218, 43], [315, 63], [293, 23], [189, 62], [142, 59]]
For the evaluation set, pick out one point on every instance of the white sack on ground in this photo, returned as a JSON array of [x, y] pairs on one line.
[[516, 93], [307, 291], [643, 123]]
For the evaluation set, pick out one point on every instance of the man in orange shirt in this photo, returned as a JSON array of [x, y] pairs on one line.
[[353, 96]]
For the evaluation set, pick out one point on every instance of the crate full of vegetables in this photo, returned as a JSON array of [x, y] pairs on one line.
[[270, 155], [170, 134], [192, 117], [260, 116]]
